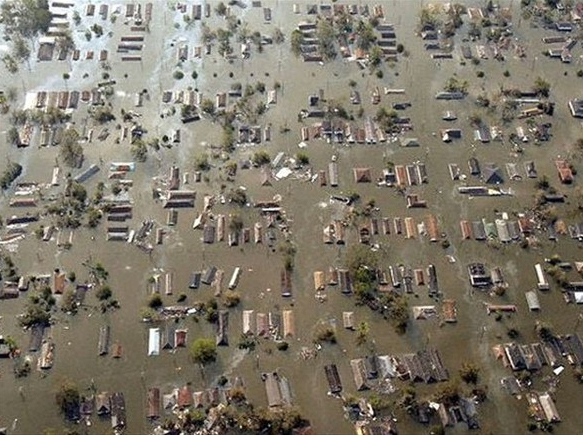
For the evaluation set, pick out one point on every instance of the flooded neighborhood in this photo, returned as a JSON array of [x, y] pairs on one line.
[[273, 216]]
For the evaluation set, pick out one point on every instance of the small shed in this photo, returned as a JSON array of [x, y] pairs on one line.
[[348, 319], [319, 280], [532, 300]]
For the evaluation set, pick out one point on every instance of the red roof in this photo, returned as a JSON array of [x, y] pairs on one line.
[[184, 397], [180, 337], [59, 279]]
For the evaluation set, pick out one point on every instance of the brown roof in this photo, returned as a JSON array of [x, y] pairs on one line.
[[432, 228], [319, 280], [525, 225], [466, 230], [184, 397], [59, 279], [362, 175], [449, 311], [153, 403], [419, 277], [117, 350], [401, 175], [180, 337], [410, 228]]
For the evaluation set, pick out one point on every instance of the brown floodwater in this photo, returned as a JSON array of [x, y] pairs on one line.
[[28, 403]]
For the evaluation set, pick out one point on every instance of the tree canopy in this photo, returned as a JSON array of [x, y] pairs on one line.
[[203, 351], [68, 400]]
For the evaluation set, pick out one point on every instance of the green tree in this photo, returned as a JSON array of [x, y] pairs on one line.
[[221, 9], [207, 106], [326, 35], [375, 56], [68, 399], [359, 256], [71, 152], [542, 87], [155, 301], [203, 351], [237, 196], [544, 330], [12, 136], [469, 372], [325, 334], [362, 331], [261, 158], [236, 222], [232, 299], [201, 162], [297, 40], [302, 159], [447, 393], [139, 151], [69, 301], [365, 35], [103, 293], [11, 173], [21, 49]]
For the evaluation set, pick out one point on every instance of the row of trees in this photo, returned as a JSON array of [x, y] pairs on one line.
[[22, 20]]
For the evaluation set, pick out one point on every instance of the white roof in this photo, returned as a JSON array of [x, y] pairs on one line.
[[154, 342]]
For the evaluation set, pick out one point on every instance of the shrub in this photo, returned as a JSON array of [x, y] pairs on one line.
[[103, 293], [155, 301]]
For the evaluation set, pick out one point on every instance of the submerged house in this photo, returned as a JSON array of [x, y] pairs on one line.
[[248, 328], [222, 338], [118, 411], [565, 172], [184, 397], [180, 336], [153, 409], [362, 175], [103, 345], [288, 323], [492, 174], [474, 166], [333, 174], [154, 342], [209, 275], [286, 283], [348, 319], [277, 389], [103, 404], [333, 378], [168, 338], [359, 374]]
